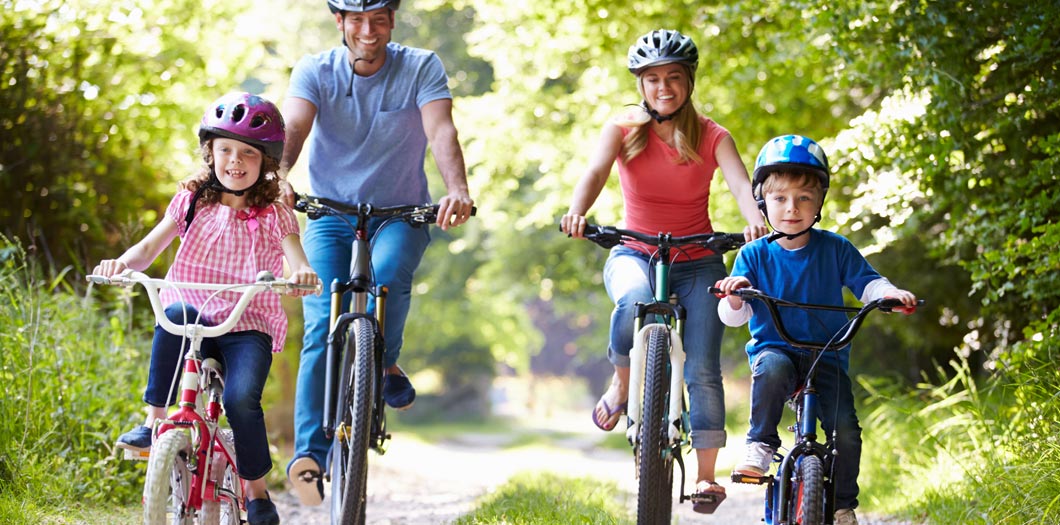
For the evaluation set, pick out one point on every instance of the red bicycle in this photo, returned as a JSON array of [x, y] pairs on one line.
[[191, 471]]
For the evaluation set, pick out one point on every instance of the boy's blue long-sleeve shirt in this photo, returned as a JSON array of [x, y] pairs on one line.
[[815, 273]]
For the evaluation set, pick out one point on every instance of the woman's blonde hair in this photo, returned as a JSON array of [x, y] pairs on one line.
[[687, 129], [263, 193]]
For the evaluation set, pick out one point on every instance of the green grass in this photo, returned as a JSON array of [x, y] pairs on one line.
[[546, 499]]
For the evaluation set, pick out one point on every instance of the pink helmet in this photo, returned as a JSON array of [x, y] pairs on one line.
[[247, 118]]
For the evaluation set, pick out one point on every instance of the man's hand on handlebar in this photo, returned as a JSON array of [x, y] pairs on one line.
[[454, 210]]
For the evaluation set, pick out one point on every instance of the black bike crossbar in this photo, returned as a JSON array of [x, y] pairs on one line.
[[609, 237]]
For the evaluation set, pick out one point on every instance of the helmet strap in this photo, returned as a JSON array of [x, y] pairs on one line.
[[212, 183]]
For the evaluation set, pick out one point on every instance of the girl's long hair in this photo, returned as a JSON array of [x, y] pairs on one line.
[[265, 192], [687, 130]]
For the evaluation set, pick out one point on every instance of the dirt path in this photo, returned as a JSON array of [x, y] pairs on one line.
[[419, 483]]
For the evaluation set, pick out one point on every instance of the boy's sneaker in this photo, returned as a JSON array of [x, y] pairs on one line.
[[137, 439], [262, 511], [846, 517], [756, 460], [398, 391]]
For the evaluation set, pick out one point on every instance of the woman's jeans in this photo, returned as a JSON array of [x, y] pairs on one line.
[[245, 357], [775, 375], [626, 276], [396, 253]]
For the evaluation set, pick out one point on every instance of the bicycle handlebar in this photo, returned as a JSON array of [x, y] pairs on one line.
[[885, 304], [610, 236], [265, 281], [415, 214]]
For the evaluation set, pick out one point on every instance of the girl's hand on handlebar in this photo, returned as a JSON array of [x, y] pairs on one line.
[[728, 285], [454, 210], [109, 268], [907, 298], [304, 276], [573, 225], [754, 231]]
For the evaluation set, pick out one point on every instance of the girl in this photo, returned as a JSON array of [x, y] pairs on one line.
[[667, 154], [231, 227]]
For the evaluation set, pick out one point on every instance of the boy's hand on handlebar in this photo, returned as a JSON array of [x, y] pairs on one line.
[[730, 284], [908, 300], [573, 225], [454, 210]]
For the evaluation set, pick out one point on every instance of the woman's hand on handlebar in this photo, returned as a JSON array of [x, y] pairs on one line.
[[454, 209], [573, 225], [754, 231], [729, 285]]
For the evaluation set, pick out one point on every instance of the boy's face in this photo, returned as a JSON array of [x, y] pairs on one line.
[[792, 207], [237, 164]]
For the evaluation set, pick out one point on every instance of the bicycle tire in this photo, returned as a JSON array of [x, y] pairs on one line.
[[167, 486], [351, 501], [808, 492], [655, 469], [224, 510]]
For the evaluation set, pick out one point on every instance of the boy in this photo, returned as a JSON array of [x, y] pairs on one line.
[[800, 263]]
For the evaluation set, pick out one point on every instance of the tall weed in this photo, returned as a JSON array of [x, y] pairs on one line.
[[70, 385], [971, 451]]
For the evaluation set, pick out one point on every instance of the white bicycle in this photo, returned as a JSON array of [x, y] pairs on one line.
[[191, 471]]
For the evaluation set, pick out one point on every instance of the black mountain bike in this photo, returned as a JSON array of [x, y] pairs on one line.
[[354, 415], [657, 412], [803, 491]]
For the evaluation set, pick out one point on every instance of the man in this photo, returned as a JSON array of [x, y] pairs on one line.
[[376, 106]]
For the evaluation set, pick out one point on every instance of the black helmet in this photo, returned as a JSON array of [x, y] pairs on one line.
[[360, 6], [662, 46]]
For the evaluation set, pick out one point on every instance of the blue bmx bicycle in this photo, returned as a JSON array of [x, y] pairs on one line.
[[802, 490]]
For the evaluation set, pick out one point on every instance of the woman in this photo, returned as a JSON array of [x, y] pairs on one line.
[[667, 154]]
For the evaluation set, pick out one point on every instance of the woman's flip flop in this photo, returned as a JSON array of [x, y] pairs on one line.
[[608, 422], [707, 497]]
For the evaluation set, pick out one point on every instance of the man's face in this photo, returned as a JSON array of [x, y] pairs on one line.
[[367, 33]]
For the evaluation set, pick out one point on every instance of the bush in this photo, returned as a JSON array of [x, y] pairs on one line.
[[72, 383]]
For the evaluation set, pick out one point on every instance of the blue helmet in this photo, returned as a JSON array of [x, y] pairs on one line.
[[794, 153]]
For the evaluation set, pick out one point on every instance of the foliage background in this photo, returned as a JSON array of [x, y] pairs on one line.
[[940, 119]]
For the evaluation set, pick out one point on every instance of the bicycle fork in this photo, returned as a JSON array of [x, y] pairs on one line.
[[638, 356]]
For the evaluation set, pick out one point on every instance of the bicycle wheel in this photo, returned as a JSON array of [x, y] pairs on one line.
[[808, 492], [224, 510], [656, 467], [167, 488], [349, 491]]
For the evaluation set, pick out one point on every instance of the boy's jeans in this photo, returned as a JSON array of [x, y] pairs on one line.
[[246, 357], [775, 375], [626, 279]]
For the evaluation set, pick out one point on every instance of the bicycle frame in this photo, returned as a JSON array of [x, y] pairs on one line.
[[199, 406], [354, 415], [805, 400], [662, 318]]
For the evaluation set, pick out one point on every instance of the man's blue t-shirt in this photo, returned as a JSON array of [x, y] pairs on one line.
[[369, 147], [815, 274]]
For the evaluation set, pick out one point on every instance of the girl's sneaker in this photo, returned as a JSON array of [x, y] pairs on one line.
[[137, 439]]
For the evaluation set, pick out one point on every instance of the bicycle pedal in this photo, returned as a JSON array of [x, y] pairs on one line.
[[137, 455], [751, 480]]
